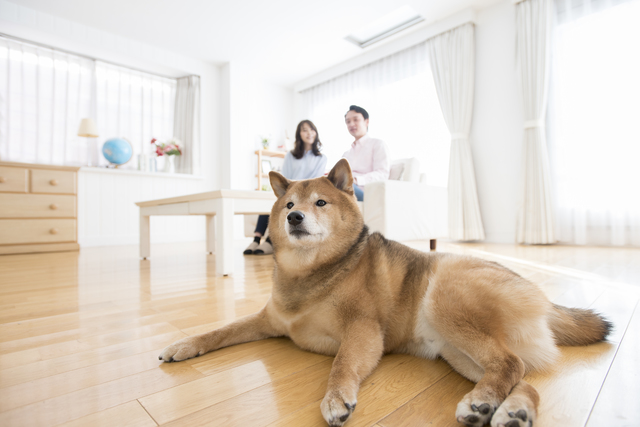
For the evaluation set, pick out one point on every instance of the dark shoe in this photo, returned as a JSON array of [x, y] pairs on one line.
[[265, 248], [251, 248]]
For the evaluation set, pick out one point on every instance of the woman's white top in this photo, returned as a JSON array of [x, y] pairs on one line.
[[309, 166]]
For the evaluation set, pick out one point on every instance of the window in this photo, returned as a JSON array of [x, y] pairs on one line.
[[45, 93], [594, 142], [400, 96]]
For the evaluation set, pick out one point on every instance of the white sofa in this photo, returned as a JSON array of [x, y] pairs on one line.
[[401, 208], [405, 207]]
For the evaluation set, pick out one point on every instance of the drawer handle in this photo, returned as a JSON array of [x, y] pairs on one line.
[[53, 182], [53, 206], [53, 231], [3, 179]]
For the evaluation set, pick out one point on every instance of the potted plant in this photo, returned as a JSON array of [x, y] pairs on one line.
[[171, 148]]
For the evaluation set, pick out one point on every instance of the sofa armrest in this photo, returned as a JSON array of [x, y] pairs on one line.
[[403, 210]]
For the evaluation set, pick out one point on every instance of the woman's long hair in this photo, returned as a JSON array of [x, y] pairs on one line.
[[298, 150]]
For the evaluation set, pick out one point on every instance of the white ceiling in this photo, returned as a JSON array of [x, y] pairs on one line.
[[284, 40]]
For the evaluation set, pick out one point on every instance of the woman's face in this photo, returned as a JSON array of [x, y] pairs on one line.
[[307, 134]]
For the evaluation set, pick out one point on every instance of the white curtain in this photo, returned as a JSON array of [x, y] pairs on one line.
[[453, 66], [533, 31], [133, 105], [186, 123], [43, 96], [400, 96], [594, 141]]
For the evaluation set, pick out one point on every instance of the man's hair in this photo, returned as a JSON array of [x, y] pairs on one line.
[[357, 109]]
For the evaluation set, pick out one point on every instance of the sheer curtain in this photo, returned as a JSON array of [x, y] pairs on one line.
[[43, 96], [594, 139], [186, 123], [453, 64], [533, 36], [134, 105], [400, 96]]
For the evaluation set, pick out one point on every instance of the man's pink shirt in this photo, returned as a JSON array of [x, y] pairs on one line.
[[369, 160]]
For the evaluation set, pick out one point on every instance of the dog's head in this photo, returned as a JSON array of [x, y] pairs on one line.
[[316, 213]]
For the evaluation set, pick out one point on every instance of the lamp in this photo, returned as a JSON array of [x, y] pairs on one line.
[[88, 129]]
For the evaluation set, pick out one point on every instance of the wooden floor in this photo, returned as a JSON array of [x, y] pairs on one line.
[[80, 336]]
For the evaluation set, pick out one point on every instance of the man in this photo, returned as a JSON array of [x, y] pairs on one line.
[[368, 157]]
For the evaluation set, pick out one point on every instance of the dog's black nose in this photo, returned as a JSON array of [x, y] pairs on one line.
[[295, 217]]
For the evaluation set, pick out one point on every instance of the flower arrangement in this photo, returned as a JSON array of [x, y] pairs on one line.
[[173, 147]]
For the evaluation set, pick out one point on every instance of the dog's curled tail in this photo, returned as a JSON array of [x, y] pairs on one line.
[[577, 326]]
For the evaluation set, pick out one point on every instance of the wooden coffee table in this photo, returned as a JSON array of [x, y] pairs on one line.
[[219, 207]]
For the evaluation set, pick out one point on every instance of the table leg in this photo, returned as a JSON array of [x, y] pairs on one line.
[[224, 236], [145, 236], [211, 233]]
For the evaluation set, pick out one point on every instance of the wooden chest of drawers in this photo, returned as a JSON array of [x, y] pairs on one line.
[[38, 208]]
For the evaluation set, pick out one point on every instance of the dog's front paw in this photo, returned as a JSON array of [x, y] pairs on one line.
[[337, 406], [184, 349]]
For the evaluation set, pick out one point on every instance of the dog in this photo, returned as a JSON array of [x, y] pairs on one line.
[[340, 290]]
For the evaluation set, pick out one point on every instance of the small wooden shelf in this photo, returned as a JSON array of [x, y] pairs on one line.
[[266, 153]]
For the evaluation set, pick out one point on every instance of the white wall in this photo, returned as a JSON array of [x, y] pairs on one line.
[[496, 131], [249, 108], [255, 108]]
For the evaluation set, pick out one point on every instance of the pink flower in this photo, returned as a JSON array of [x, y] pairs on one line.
[[153, 140]]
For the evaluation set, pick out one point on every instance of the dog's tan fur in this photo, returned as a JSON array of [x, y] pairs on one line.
[[339, 290]]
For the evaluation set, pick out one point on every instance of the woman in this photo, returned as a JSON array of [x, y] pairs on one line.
[[303, 162]]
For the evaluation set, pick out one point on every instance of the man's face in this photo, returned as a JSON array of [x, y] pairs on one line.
[[356, 124]]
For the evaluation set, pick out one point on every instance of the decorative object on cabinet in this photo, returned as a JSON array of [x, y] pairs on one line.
[[38, 208], [261, 172], [147, 162], [117, 151], [168, 150]]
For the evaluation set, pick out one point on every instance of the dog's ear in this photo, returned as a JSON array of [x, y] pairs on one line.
[[341, 177], [279, 183]]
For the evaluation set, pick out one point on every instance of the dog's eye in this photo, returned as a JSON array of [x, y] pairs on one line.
[[321, 203], [290, 205]]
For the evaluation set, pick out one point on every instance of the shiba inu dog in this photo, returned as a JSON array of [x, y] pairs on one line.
[[340, 290]]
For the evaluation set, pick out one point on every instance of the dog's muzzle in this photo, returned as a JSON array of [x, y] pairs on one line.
[[295, 218], [296, 224]]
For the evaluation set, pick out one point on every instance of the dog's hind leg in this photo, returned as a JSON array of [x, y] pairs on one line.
[[462, 363], [519, 409], [502, 371]]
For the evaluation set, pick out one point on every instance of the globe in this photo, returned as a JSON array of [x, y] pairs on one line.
[[118, 151]]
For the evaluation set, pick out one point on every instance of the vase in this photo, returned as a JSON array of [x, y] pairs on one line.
[[169, 164]]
